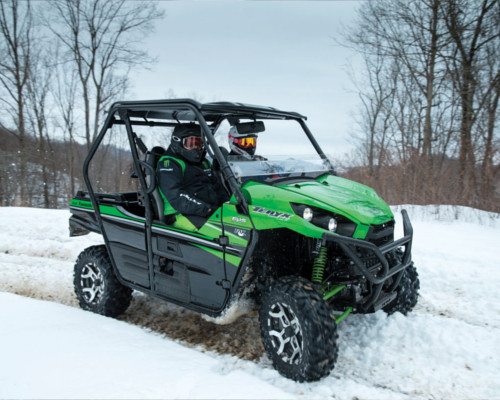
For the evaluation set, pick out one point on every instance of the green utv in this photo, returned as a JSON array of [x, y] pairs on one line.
[[294, 241]]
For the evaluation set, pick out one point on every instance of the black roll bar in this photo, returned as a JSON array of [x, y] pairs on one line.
[[315, 144], [224, 166]]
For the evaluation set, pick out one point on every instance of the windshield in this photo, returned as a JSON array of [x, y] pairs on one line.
[[281, 149], [278, 167]]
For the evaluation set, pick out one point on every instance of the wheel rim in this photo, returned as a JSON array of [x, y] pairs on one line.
[[92, 283], [286, 333]]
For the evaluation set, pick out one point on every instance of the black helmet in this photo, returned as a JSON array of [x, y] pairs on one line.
[[187, 142]]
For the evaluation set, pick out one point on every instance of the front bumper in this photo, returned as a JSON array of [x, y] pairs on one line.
[[379, 273]]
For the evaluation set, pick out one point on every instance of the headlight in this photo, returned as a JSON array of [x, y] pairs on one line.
[[303, 211], [326, 222], [307, 214], [325, 219], [332, 225]]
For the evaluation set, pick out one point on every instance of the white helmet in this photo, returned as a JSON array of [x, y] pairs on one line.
[[243, 144]]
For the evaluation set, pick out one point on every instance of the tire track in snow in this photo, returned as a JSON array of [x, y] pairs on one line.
[[23, 275]]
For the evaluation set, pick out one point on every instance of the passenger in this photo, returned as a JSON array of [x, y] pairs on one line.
[[187, 185], [243, 145]]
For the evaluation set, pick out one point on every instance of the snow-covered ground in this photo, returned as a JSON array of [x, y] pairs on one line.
[[449, 347]]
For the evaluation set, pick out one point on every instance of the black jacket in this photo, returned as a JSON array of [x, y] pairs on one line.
[[192, 191]]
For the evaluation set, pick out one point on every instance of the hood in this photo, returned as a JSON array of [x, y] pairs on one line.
[[355, 201]]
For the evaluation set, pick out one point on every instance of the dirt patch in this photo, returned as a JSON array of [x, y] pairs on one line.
[[28, 290], [240, 339]]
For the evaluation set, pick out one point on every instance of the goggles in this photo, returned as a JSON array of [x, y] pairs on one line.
[[192, 142], [245, 142]]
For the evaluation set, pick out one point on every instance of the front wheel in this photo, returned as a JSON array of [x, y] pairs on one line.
[[407, 292], [96, 286], [298, 330]]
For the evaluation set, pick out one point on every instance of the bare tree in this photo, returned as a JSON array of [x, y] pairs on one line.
[[102, 41], [409, 33], [377, 100], [444, 101], [39, 87], [16, 23], [100, 44], [404, 39], [488, 126], [473, 26], [65, 100]]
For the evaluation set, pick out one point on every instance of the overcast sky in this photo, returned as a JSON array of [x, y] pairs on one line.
[[280, 54]]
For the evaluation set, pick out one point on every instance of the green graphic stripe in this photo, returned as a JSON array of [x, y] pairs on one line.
[[106, 210], [110, 210], [169, 228]]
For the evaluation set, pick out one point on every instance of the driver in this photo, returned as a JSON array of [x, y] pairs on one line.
[[189, 190]]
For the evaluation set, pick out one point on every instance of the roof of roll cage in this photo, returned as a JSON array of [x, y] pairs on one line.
[[182, 109]]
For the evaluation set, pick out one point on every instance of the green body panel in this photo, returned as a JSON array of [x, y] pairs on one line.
[[107, 210], [234, 222], [231, 217], [270, 205], [270, 208], [212, 229], [207, 231]]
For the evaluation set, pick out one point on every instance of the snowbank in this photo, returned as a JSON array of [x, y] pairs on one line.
[[57, 352], [447, 348], [449, 214]]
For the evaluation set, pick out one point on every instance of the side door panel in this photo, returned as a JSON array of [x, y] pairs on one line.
[[189, 267], [126, 242]]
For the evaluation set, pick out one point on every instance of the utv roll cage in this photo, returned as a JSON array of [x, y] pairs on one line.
[[143, 113]]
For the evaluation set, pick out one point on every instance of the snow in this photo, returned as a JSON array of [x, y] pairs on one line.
[[53, 351], [447, 348]]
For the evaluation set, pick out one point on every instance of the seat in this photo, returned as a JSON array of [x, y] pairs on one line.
[[152, 157]]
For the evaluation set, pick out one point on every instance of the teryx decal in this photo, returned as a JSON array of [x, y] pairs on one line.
[[242, 233], [273, 214]]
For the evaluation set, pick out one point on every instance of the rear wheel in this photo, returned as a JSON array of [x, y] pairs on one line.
[[96, 286], [298, 330]]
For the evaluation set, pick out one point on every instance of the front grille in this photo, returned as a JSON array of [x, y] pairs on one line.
[[369, 261], [381, 234]]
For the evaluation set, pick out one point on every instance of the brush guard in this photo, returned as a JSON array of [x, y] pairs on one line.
[[377, 278]]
